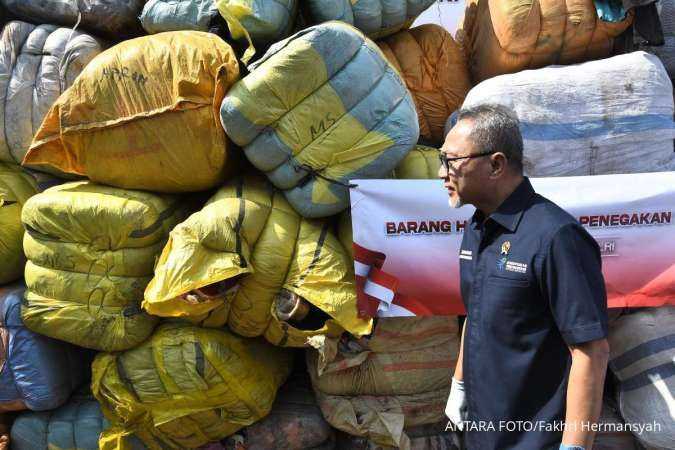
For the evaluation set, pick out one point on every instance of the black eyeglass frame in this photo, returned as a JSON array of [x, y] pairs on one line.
[[445, 161]]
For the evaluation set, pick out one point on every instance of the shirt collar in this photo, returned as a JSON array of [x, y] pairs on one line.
[[509, 213]]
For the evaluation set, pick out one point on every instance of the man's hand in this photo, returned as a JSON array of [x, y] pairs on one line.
[[456, 407]]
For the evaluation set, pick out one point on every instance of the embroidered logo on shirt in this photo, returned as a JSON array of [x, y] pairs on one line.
[[501, 263], [506, 246], [466, 254], [517, 267]]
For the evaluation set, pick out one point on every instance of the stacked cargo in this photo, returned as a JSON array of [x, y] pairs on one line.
[[198, 315]]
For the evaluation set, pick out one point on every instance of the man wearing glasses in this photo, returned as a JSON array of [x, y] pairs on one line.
[[534, 352]]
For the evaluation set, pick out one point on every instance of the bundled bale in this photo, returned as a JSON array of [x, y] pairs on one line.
[[37, 63], [376, 18], [507, 36], [91, 250], [642, 346], [116, 19], [313, 114], [36, 372], [612, 434], [263, 20], [398, 378], [16, 187], [143, 115], [295, 422], [600, 117], [77, 425], [187, 386], [435, 71], [424, 437], [665, 52], [249, 261], [421, 163]]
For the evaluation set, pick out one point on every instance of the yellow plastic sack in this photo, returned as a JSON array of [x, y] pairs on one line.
[[421, 163], [434, 68], [186, 386], [248, 235], [507, 36], [144, 115], [16, 187], [91, 250]]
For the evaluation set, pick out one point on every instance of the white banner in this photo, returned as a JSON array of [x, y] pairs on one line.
[[407, 238]]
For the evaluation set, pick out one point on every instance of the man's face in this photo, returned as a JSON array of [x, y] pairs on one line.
[[467, 180]]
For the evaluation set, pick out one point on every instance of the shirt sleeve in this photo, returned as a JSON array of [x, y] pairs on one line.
[[575, 285]]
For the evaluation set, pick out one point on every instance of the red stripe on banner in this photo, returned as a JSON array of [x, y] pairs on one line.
[[658, 292], [368, 305]]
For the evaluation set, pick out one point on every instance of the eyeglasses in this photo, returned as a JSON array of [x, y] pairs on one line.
[[445, 161]]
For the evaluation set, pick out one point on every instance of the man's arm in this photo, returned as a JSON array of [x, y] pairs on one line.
[[584, 391]]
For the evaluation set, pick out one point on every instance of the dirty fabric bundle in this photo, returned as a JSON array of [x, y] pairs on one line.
[[642, 346], [399, 377], [601, 117], [187, 386], [91, 250], [435, 71], [376, 18], [422, 437], [244, 252], [76, 425], [36, 372], [115, 19], [264, 21], [507, 36], [318, 109], [37, 63], [16, 187], [144, 104], [295, 421]]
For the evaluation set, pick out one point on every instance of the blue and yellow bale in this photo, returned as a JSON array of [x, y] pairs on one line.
[[319, 109]]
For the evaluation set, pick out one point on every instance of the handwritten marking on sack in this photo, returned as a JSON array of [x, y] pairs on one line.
[[121, 73], [325, 123]]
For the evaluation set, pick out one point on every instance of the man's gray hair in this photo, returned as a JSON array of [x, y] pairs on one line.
[[495, 129]]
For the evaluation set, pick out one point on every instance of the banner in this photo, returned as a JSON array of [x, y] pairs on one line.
[[407, 240]]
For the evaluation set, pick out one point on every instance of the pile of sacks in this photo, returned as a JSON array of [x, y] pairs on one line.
[[198, 236]]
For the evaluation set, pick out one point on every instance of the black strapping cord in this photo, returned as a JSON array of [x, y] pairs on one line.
[[314, 172]]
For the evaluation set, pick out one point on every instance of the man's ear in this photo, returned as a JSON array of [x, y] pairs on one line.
[[499, 164]]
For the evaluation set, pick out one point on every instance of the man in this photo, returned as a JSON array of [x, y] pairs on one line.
[[534, 345]]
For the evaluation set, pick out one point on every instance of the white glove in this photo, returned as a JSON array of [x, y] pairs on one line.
[[456, 407]]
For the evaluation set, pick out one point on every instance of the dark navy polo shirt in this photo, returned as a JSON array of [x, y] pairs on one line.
[[532, 284]]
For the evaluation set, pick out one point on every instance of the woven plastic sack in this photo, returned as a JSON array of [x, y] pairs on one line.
[[376, 18], [376, 386], [37, 63], [115, 19], [248, 235], [143, 115], [507, 36], [91, 250], [666, 52], [36, 372], [187, 386], [574, 119], [16, 187], [642, 346], [434, 69], [318, 109], [423, 437]]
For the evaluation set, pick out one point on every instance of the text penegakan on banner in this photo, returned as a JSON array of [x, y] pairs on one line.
[[407, 239]]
